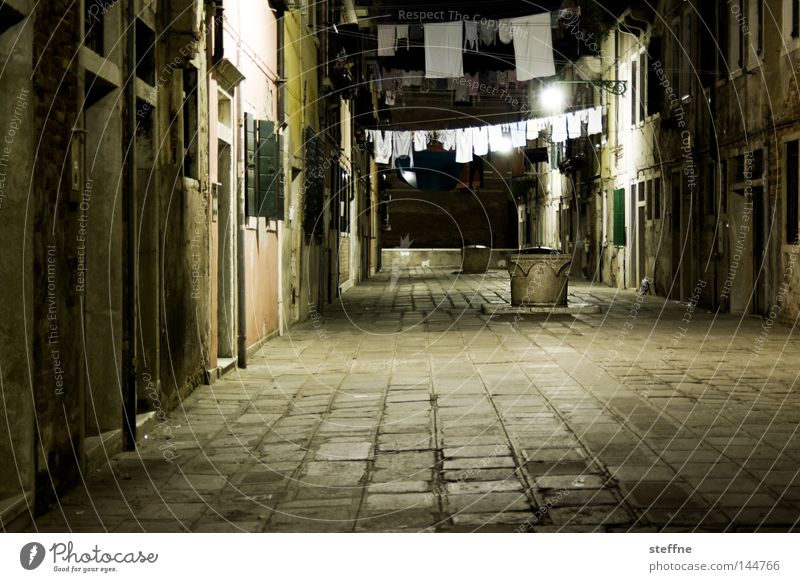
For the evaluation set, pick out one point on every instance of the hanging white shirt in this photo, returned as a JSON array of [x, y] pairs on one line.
[[559, 129], [532, 129], [574, 125], [595, 121], [496, 142], [448, 139], [420, 140], [402, 146], [533, 46], [464, 145], [383, 147], [480, 140], [519, 132], [444, 46]]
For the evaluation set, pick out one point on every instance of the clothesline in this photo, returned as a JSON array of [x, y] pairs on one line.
[[480, 140], [445, 43]]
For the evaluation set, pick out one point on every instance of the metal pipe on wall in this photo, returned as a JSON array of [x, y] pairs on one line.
[[129, 236]]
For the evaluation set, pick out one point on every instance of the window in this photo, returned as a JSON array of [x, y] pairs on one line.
[[642, 86], [795, 18], [711, 189], [675, 56], [263, 180], [687, 69], [735, 35], [94, 23], [619, 217], [792, 178], [657, 198], [145, 53], [723, 187], [190, 110], [314, 185], [634, 90], [649, 203], [654, 90]]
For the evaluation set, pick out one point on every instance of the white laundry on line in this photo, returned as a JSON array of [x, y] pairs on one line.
[[402, 146], [497, 142], [480, 140], [387, 40], [444, 46], [464, 145], [533, 46], [471, 34], [519, 134], [595, 122], [559, 129], [383, 147], [402, 33], [448, 139], [573, 125], [420, 140]]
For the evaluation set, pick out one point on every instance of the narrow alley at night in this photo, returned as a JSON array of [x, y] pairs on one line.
[[354, 266]]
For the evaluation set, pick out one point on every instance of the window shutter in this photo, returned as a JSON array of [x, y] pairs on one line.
[[250, 205], [619, 217], [267, 170]]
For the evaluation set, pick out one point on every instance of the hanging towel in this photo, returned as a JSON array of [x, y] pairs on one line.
[[519, 133], [401, 32], [532, 129], [559, 134], [387, 40], [533, 46], [496, 141], [488, 33], [595, 123], [573, 125], [471, 35], [420, 140], [448, 139], [463, 145], [383, 147], [444, 57], [480, 140]]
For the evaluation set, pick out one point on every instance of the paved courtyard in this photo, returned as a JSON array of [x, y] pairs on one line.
[[406, 409]]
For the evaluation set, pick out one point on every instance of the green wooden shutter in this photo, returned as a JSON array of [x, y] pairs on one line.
[[619, 217], [250, 201], [267, 169]]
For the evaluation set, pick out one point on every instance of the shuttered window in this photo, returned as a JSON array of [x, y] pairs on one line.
[[263, 183], [619, 217], [792, 187], [314, 184]]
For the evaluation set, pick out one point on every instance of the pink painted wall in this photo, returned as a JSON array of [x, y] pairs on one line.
[[250, 43]]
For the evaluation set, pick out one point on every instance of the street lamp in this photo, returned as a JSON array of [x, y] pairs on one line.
[[551, 98]]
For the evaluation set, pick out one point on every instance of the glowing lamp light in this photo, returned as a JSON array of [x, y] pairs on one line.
[[551, 98]]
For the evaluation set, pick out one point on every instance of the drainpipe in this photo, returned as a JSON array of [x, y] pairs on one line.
[[241, 219], [129, 237], [281, 166], [241, 274]]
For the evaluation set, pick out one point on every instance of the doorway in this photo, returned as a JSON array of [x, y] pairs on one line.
[[226, 270]]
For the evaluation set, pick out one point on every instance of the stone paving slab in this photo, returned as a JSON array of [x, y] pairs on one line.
[[428, 410]]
